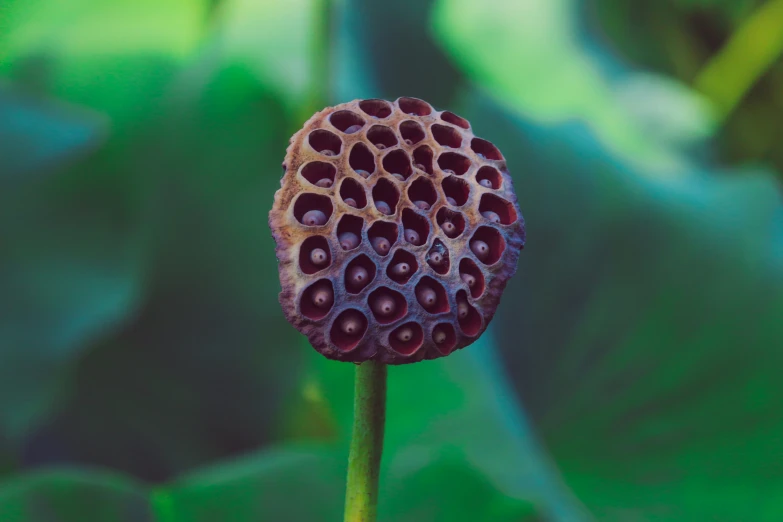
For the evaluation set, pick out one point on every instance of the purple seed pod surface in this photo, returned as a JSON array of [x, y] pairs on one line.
[[396, 231]]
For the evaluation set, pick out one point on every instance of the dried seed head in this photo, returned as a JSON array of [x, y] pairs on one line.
[[348, 240], [408, 259], [384, 305], [357, 277], [318, 257], [439, 334], [426, 296], [381, 245], [401, 269], [492, 216], [351, 323], [405, 334], [314, 218], [449, 228], [323, 296], [480, 248], [383, 207], [462, 309]]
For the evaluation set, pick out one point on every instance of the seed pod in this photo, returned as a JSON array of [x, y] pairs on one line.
[[480, 248], [401, 269], [469, 280], [357, 277], [405, 334], [323, 297], [314, 218], [348, 240], [412, 237], [383, 207], [318, 257], [381, 245], [449, 228], [384, 305], [492, 216], [427, 297], [442, 226]]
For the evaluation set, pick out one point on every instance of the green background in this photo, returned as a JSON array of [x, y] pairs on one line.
[[632, 373]]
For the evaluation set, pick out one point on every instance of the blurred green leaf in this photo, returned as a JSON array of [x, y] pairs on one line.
[[450, 409], [60, 246], [642, 331], [73, 496], [530, 55]]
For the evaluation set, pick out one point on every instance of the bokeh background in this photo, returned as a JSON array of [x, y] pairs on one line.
[[632, 373]]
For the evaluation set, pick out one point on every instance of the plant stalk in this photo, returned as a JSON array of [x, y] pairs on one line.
[[364, 459]]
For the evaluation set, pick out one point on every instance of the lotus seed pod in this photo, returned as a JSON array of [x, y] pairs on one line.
[[381, 245], [492, 216], [449, 228], [439, 335], [384, 305], [405, 334], [314, 218], [323, 296], [350, 323], [406, 255], [426, 296], [401, 269], [318, 257], [357, 277], [348, 240], [383, 207], [480, 248], [462, 309]]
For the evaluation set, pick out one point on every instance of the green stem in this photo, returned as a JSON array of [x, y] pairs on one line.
[[364, 460]]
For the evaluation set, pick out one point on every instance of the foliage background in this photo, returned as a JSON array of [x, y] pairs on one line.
[[632, 372]]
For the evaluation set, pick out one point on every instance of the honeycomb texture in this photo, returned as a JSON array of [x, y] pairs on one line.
[[396, 230]]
